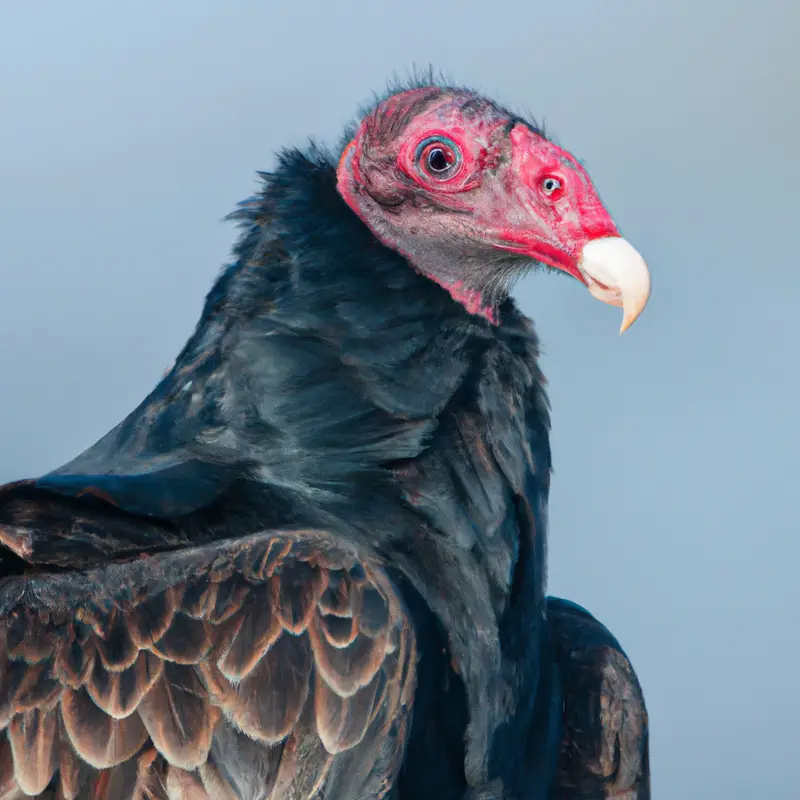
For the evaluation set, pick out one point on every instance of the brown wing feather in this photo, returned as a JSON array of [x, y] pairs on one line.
[[247, 669], [32, 735], [271, 716], [100, 740], [179, 717], [244, 640]]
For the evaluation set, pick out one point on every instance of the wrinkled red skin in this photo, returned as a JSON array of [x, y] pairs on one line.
[[494, 201], [563, 223]]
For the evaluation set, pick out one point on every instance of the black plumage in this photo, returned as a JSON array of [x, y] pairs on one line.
[[313, 559]]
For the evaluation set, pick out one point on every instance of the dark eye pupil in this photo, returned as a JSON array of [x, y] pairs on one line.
[[551, 184], [438, 160]]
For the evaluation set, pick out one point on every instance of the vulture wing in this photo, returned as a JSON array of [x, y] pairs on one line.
[[165, 459], [269, 665], [604, 746]]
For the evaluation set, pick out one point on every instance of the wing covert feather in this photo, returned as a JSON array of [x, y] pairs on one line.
[[243, 669]]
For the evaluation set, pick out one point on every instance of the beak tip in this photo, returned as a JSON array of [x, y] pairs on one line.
[[622, 275], [631, 316]]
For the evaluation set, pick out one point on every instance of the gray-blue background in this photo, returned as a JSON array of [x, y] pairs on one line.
[[127, 131]]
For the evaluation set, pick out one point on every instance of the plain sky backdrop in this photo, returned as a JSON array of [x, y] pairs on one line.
[[128, 130]]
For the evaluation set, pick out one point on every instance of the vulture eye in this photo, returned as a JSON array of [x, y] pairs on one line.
[[551, 185], [438, 157]]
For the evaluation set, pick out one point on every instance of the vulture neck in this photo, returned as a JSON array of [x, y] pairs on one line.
[[420, 431]]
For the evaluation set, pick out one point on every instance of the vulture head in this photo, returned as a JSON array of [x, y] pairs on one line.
[[472, 195]]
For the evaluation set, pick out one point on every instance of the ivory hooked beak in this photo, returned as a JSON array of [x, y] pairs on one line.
[[616, 273]]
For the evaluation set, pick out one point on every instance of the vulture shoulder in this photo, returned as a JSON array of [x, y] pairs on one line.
[[276, 662]]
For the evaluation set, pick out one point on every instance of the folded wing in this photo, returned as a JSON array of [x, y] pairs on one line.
[[268, 666], [605, 738]]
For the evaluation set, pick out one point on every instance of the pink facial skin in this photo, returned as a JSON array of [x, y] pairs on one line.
[[457, 185]]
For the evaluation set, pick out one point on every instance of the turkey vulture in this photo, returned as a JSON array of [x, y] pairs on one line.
[[312, 562]]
